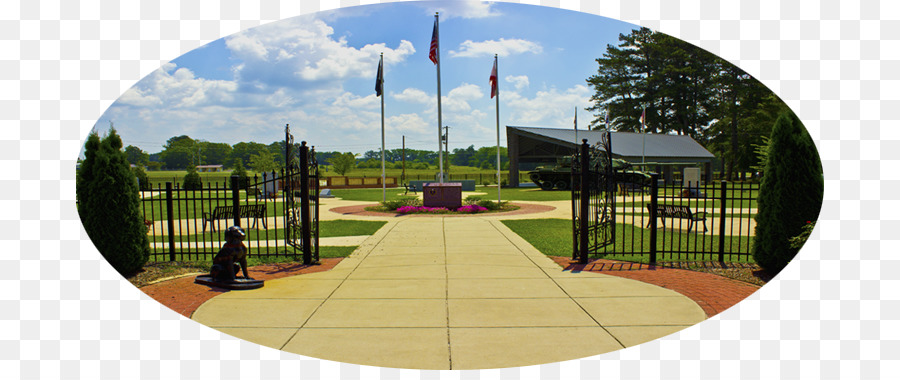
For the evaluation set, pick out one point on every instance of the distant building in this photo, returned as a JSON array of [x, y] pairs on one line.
[[209, 168], [530, 147]]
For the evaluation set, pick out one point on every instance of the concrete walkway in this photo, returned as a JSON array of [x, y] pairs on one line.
[[449, 293]]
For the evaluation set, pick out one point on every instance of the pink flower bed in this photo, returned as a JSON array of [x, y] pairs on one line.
[[469, 209]]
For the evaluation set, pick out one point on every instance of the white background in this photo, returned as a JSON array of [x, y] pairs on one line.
[[65, 313]]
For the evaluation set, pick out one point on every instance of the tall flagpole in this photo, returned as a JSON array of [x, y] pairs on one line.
[[576, 126], [381, 81], [435, 55], [495, 91], [643, 134]]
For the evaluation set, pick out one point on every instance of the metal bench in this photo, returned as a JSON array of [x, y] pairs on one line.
[[227, 213], [664, 211]]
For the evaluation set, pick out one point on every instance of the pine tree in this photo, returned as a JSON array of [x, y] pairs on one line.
[[109, 205], [192, 180], [790, 194]]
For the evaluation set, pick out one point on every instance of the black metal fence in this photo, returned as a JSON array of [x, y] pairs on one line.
[[593, 200], [189, 224], [691, 222]]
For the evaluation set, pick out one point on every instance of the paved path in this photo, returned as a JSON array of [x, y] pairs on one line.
[[450, 293]]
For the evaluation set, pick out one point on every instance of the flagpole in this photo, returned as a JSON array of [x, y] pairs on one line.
[[436, 41], [497, 92], [643, 133], [576, 126], [383, 186]]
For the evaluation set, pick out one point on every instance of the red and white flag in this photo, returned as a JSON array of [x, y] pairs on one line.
[[495, 90], [643, 117], [433, 53]]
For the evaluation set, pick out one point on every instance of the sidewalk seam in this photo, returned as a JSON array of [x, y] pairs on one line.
[[554, 281]]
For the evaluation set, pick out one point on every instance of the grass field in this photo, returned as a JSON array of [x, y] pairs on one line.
[[160, 177], [253, 259], [327, 228], [508, 194], [553, 237]]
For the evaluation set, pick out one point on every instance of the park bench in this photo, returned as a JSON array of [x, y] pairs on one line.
[[409, 188], [664, 211], [227, 213]]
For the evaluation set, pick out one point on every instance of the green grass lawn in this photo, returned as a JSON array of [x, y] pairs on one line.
[[253, 258], [187, 207], [327, 228], [508, 194], [160, 177], [553, 237]]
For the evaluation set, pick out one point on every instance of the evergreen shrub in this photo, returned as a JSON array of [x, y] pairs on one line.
[[109, 204], [790, 194]]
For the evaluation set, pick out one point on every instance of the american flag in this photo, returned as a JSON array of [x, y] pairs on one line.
[[433, 53], [495, 90]]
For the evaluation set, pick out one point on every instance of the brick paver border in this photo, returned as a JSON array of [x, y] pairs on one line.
[[184, 296]]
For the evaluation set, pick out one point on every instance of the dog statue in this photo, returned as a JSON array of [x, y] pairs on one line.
[[232, 255]]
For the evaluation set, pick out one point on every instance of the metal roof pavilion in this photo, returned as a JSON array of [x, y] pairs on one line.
[[626, 144], [533, 146]]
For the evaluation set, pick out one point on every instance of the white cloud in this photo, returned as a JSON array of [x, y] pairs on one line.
[[549, 108], [304, 49], [518, 81], [354, 101], [178, 88], [503, 47], [410, 122], [462, 8], [457, 100], [413, 95]]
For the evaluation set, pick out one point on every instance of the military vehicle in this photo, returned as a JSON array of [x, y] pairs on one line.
[[559, 176]]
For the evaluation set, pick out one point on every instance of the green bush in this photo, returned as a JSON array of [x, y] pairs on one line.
[[400, 202], [142, 177], [243, 178], [471, 200], [790, 193], [109, 204], [192, 180], [489, 204]]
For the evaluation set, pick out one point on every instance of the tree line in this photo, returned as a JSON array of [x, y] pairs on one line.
[[184, 152], [683, 90]]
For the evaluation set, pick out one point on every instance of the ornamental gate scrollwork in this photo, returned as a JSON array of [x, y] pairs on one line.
[[301, 197], [593, 198]]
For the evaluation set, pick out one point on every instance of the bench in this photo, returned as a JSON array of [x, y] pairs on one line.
[[409, 188], [664, 211], [227, 213]]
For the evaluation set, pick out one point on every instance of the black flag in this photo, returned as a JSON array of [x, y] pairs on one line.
[[380, 79]]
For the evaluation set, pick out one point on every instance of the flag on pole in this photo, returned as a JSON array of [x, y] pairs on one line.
[[495, 89], [379, 80], [643, 118], [576, 119], [433, 52]]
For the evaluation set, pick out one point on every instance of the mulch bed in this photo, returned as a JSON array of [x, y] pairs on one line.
[[713, 293], [184, 296], [360, 210]]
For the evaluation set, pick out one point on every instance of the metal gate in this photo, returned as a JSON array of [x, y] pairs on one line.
[[301, 192], [593, 199]]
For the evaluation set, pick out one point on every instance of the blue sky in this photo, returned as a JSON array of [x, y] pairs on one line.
[[317, 73]]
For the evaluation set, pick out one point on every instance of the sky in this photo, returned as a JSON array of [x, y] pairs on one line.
[[317, 73]]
